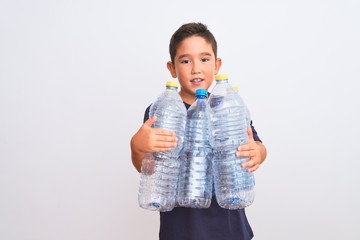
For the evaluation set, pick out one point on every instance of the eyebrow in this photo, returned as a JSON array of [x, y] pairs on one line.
[[203, 54]]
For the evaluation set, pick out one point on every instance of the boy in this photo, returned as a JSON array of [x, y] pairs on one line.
[[194, 62]]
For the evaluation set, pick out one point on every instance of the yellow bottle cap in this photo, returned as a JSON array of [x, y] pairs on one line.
[[221, 77], [172, 84]]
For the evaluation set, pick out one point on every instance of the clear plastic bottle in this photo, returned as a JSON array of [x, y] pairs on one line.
[[195, 181], [234, 185], [160, 170], [248, 115]]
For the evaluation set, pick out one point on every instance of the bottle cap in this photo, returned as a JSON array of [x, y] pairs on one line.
[[221, 77], [172, 84], [200, 93]]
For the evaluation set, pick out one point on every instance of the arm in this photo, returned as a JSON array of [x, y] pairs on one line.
[[148, 139], [255, 150]]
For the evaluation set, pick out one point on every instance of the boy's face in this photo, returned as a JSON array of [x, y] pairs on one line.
[[195, 66]]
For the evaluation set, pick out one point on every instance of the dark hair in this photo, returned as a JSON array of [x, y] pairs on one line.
[[189, 30]]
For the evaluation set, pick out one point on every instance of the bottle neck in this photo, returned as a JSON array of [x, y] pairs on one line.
[[171, 88], [201, 97], [201, 102], [221, 81]]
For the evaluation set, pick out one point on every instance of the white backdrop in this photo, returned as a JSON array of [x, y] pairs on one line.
[[76, 77]]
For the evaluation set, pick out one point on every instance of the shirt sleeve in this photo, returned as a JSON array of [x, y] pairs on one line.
[[146, 115], [255, 134]]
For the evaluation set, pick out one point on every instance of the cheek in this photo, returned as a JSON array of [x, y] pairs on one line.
[[181, 70]]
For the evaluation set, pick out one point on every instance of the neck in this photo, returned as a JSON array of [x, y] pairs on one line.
[[187, 97]]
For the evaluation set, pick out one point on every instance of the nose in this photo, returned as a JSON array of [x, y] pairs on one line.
[[195, 68]]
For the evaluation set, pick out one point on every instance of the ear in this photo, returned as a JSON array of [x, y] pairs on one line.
[[170, 66], [218, 63]]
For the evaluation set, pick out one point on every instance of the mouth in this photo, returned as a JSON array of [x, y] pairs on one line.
[[197, 80]]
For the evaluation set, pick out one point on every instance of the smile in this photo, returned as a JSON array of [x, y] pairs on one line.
[[197, 80]]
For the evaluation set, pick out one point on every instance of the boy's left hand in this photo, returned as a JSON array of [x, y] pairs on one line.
[[252, 151]]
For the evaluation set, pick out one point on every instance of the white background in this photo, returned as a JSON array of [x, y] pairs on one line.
[[76, 77]]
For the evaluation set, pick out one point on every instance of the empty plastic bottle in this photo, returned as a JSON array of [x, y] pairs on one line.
[[248, 116], [234, 185], [195, 181], [160, 170]]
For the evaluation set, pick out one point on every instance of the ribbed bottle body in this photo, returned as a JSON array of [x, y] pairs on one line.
[[160, 170], [195, 180], [234, 185], [158, 183]]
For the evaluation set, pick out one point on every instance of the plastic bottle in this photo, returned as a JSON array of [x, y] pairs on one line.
[[160, 170], [248, 115], [195, 181], [234, 185]]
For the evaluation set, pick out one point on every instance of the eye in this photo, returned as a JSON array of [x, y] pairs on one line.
[[205, 59], [185, 61]]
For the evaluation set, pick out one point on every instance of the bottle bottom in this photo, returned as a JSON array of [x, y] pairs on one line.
[[155, 203], [194, 202], [238, 200]]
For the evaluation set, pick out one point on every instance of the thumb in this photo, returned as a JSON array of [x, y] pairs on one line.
[[250, 133], [150, 121]]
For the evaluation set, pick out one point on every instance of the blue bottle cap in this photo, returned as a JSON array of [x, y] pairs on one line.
[[200, 93]]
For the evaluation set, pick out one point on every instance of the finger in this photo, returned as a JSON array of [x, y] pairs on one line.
[[162, 149], [245, 152], [163, 138], [246, 164], [245, 147], [150, 121], [250, 134], [163, 132], [250, 163], [164, 145], [254, 168]]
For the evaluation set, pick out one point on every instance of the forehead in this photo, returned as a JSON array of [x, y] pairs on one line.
[[194, 45]]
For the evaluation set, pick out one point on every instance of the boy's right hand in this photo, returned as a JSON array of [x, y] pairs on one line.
[[149, 139]]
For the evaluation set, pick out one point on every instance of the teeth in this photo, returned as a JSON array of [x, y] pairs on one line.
[[196, 80]]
